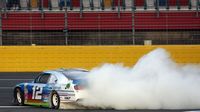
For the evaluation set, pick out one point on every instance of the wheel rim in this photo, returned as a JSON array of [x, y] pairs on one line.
[[55, 99], [19, 97]]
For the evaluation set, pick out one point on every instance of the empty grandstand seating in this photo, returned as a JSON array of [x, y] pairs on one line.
[[139, 2], [118, 1], [109, 4], [76, 3], [2, 4], [101, 21], [128, 3], [172, 2], [34, 4], [150, 3], [96, 3], [167, 20], [24, 3], [33, 21], [54, 3], [86, 3], [45, 3]]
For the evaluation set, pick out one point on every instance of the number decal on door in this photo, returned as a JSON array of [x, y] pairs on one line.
[[37, 92]]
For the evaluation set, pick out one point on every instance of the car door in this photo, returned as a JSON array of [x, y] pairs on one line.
[[37, 91]]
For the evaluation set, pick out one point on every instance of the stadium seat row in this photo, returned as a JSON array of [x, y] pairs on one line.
[[93, 4]]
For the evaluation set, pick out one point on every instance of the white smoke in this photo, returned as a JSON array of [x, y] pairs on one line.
[[155, 82]]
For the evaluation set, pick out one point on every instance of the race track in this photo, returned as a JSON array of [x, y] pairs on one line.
[[9, 80]]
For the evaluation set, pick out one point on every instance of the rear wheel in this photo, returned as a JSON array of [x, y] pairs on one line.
[[19, 97], [55, 100]]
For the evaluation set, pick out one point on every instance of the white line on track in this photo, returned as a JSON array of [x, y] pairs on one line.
[[6, 87], [15, 79], [15, 106], [192, 111]]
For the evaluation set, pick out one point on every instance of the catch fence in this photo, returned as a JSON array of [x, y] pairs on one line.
[[99, 22]]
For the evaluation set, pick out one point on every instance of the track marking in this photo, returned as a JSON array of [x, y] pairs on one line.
[[15, 106], [192, 111], [15, 79], [6, 87]]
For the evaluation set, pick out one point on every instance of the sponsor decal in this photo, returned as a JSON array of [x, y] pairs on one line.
[[45, 98], [46, 104], [67, 86], [67, 98]]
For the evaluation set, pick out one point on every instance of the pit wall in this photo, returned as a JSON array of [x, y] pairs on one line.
[[39, 58]]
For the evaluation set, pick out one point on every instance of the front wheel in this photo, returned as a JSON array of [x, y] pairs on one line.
[[55, 100], [19, 97]]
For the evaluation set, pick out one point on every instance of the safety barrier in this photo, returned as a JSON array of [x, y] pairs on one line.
[[39, 58]]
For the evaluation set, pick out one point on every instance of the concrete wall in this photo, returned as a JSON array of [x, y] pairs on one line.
[[39, 58]]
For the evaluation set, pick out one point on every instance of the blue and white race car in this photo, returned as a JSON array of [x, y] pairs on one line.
[[51, 88]]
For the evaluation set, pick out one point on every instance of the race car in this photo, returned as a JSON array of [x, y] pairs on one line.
[[50, 88]]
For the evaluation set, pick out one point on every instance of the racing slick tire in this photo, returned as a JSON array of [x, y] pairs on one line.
[[54, 100], [18, 97]]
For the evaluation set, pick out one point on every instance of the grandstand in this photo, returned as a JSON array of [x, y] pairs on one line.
[[99, 22]]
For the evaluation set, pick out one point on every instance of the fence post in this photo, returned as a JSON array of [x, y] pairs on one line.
[[118, 8], [189, 4], [167, 4], [29, 5], [66, 24], [145, 4], [92, 4], [70, 5], [5, 9], [113, 5], [123, 4], [81, 8], [178, 4], [50, 4], [197, 8], [102, 4], [133, 21], [1, 26], [41, 7], [157, 8]]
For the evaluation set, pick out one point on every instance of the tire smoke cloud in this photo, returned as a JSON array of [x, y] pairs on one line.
[[154, 82]]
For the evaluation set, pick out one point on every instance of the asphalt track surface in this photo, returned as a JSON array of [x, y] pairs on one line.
[[9, 80]]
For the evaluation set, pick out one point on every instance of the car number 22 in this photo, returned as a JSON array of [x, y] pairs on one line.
[[37, 92]]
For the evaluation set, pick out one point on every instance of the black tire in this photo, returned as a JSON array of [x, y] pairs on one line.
[[55, 100], [18, 97]]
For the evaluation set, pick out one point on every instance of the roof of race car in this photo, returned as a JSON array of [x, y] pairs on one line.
[[72, 69], [63, 70], [63, 74]]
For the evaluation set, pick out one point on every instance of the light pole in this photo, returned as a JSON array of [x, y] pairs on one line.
[[178, 4], [91, 4], [41, 7], [0, 26], [197, 7], [66, 24], [81, 8], [118, 8], [133, 20], [157, 8]]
